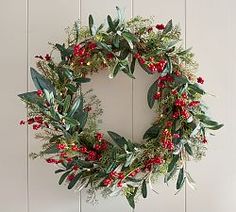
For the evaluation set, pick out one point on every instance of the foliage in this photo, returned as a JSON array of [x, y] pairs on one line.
[[68, 117]]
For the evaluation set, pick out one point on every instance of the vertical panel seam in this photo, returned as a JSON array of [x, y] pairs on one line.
[[27, 110], [79, 196], [185, 45], [132, 89]]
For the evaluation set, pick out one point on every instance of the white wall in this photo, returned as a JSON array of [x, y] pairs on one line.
[[26, 27]]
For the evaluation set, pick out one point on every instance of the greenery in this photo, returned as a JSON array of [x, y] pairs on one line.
[[67, 117]]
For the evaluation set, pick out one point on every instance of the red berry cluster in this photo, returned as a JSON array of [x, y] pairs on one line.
[[162, 82], [160, 26], [200, 80], [114, 176], [37, 122], [83, 53], [166, 140], [157, 160], [47, 57]]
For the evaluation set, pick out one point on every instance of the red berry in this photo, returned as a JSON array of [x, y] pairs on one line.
[[119, 184], [104, 145], [36, 126], [160, 66], [141, 60], [137, 55], [97, 147], [175, 135], [47, 57], [194, 104], [50, 160], [169, 124], [157, 95], [113, 174], [176, 115], [200, 80], [107, 181], [70, 177], [92, 156], [110, 56], [149, 29], [185, 95], [61, 146], [22, 122], [83, 149], [39, 93], [174, 92], [75, 167], [160, 26], [99, 136], [177, 73], [69, 160], [121, 176], [74, 148], [38, 119], [76, 50], [204, 140], [92, 46]]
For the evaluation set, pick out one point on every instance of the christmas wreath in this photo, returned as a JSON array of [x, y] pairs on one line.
[[67, 118]]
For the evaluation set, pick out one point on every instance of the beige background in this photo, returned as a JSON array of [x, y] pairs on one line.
[[27, 26]]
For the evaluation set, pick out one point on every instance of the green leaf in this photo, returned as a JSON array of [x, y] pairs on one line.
[[51, 150], [116, 69], [216, 127], [132, 65], [72, 88], [129, 159], [126, 70], [181, 179], [59, 171], [82, 117], [184, 51], [110, 23], [92, 29], [83, 163], [75, 106], [120, 141], [40, 82], [188, 149], [168, 27], [144, 189], [173, 163], [169, 65], [66, 105], [119, 14], [116, 41], [82, 80], [195, 87], [54, 138], [63, 177], [104, 46], [170, 175], [150, 95], [131, 195], [75, 180], [124, 54], [64, 52], [152, 132], [32, 97], [71, 121], [131, 201], [206, 120]]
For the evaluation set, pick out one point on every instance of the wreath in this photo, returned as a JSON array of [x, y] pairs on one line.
[[67, 118]]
